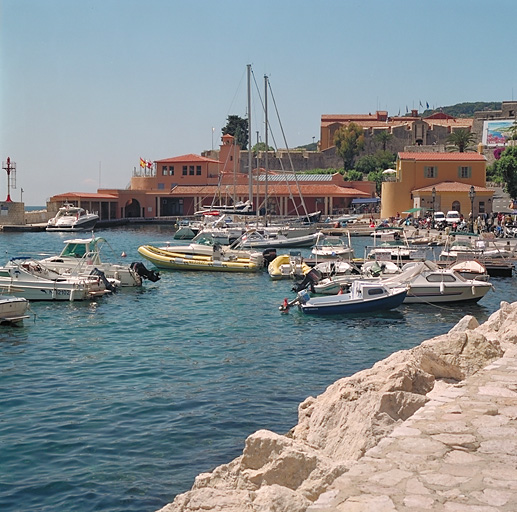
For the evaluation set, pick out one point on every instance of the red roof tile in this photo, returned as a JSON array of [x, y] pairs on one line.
[[443, 157], [186, 158], [307, 190], [84, 195], [453, 186]]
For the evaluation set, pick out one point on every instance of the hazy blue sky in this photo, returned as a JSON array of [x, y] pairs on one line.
[[90, 86]]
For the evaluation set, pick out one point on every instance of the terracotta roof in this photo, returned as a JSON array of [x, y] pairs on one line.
[[326, 189], [443, 157], [453, 186], [84, 195], [186, 158]]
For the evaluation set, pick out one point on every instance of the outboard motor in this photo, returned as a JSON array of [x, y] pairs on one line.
[[109, 286], [310, 279], [269, 255], [143, 272]]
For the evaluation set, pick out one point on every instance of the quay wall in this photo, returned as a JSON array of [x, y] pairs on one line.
[[321, 463]]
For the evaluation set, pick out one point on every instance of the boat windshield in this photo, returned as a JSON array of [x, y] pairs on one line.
[[204, 239], [74, 250]]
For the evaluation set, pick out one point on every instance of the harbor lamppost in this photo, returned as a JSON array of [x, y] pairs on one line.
[[433, 194], [472, 195]]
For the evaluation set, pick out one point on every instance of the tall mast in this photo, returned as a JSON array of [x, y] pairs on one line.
[[250, 166], [267, 147]]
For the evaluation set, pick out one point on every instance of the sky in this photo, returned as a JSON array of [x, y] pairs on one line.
[[89, 87]]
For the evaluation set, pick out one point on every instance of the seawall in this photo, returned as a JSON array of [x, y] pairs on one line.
[[431, 428]]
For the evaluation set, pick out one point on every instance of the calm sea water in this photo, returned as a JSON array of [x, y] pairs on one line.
[[118, 404]]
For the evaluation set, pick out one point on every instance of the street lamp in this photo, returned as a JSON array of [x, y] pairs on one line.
[[472, 195], [433, 194]]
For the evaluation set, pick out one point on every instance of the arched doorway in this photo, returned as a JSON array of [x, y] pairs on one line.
[[132, 209], [456, 206]]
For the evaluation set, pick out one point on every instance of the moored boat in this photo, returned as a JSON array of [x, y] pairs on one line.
[[203, 253], [23, 277], [72, 218], [290, 266], [430, 284], [82, 255], [13, 309], [363, 297]]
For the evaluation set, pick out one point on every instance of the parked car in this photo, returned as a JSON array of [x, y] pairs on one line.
[[439, 216], [453, 217]]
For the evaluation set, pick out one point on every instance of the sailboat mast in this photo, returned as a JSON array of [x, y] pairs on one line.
[[250, 166], [267, 147]]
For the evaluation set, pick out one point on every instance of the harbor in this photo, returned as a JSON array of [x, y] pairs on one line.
[[182, 367]]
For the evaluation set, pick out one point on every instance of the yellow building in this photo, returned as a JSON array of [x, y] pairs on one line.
[[437, 181]]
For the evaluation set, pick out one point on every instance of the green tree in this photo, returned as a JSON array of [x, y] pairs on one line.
[[353, 175], [238, 127], [349, 142], [261, 146], [377, 177], [383, 138], [461, 140], [506, 167], [367, 164], [379, 161]]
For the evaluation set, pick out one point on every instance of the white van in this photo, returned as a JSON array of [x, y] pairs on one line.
[[439, 217], [453, 217]]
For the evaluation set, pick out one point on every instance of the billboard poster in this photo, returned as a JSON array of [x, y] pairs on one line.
[[495, 133]]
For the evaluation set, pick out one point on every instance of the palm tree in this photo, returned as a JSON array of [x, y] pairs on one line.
[[461, 140]]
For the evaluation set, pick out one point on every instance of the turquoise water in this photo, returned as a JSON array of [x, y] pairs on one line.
[[118, 404]]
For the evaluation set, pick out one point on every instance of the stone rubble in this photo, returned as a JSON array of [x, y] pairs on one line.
[[431, 428]]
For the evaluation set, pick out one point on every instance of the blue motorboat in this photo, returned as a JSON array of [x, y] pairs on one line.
[[362, 297]]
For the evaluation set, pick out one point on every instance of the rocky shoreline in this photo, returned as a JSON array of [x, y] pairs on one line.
[[302, 469]]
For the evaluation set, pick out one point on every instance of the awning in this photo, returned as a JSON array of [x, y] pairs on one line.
[[366, 200], [413, 210]]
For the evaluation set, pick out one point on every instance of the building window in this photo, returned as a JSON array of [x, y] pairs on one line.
[[431, 172], [198, 170], [171, 170], [164, 170], [464, 172], [161, 186], [191, 170], [481, 206], [184, 170]]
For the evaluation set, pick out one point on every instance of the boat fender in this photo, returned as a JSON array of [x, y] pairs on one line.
[[442, 288]]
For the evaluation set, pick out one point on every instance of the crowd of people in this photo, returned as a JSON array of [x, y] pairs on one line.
[[502, 225]]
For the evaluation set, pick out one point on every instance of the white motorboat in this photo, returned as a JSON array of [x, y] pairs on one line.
[[82, 255], [370, 271], [430, 284], [363, 297], [27, 278], [277, 240], [463, 247], [332, 247], [13, 309], [72, 218]]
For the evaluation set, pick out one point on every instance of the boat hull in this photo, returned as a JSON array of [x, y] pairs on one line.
[[182, 261], [449, 294], [76, 226], [342, 304], [13, 310]]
